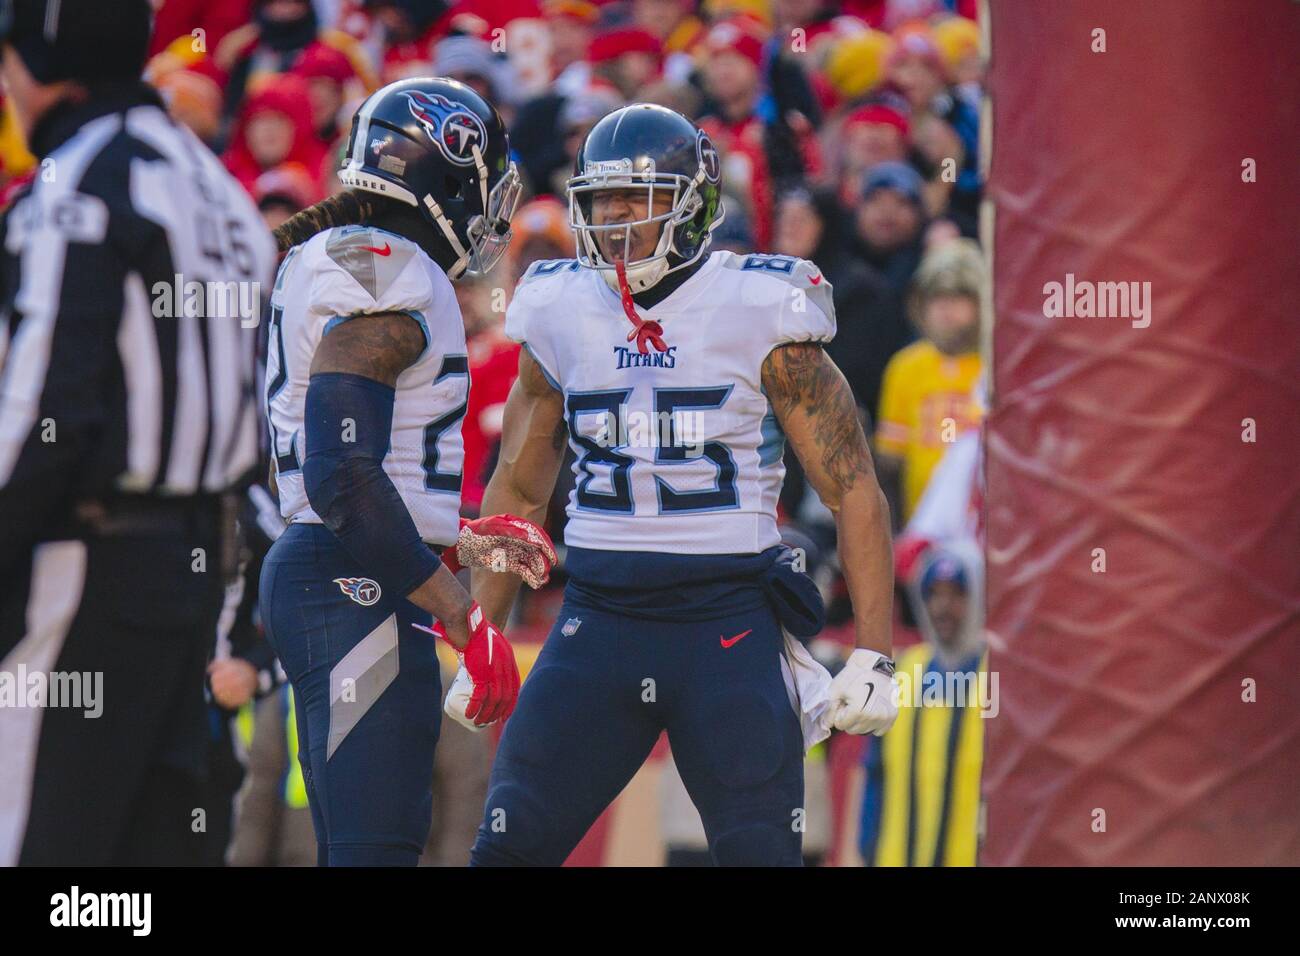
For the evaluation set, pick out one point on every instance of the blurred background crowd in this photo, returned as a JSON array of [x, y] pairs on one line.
[[848, 134]]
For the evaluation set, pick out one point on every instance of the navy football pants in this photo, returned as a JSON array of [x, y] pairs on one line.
[[594, 705], [368, 697]]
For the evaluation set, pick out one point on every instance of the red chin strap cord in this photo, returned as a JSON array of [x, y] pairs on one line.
[[646, 329]]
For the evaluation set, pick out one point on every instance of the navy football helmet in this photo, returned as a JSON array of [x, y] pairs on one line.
[[653, 147], [436, 144]]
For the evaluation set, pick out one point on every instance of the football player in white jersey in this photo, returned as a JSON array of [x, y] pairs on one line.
[[677, 376], [367, 382]]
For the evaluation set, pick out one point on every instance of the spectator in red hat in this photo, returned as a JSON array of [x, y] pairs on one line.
[[915, 67], [327, 72], [869, 135], [735, 41], [274, 127], [733, 83], [765, 139], [626, 59]]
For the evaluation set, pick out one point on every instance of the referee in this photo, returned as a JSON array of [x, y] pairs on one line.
[[131, 275]]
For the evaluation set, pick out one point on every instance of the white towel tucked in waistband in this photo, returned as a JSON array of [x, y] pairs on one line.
[[808, 685]]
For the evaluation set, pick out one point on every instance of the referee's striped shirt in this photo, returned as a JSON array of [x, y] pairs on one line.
[[131, 273]]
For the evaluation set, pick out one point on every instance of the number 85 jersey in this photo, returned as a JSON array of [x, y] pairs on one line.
[[337, 275], [677, 451]]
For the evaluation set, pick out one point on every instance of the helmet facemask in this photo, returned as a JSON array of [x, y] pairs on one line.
[[488, 233], [592, 240]]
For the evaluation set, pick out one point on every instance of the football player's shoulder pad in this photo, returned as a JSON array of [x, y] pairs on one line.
[[540, 288], [359, 270], [790, 292]]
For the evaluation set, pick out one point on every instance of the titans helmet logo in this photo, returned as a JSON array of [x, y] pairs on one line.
[[708, 157], [365, 591], [452, 128]]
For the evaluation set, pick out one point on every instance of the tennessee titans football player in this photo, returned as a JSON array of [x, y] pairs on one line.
[[367, 381], [677, 375]]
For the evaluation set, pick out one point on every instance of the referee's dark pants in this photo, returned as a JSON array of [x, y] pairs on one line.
[[125, 613]]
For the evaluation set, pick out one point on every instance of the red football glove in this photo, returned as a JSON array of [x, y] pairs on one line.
[[504, 543], [490, 661]]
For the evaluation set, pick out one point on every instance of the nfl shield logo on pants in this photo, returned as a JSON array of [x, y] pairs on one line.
[[571, 626]]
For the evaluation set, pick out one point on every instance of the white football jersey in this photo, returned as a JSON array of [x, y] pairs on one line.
[[677, 451], [354, 270]]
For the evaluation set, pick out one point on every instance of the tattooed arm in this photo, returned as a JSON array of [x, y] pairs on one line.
[[815, 407], [533, 437], [379, 347]]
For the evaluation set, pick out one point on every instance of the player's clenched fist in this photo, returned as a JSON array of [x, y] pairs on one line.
[[506, 543], [864, 695], [487, 682]]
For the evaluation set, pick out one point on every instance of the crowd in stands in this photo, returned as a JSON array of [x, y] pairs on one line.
[[847, 132]]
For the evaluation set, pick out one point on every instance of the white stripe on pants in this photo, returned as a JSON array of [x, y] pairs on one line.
[[58, 577]]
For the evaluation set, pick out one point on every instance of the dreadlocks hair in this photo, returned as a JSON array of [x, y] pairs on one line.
[[348, 208], [353, 207]]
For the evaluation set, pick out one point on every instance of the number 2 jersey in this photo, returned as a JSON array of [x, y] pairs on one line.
[[677, 451], [337, 275]]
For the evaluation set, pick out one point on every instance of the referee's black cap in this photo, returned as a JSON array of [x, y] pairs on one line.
[[78, 39]]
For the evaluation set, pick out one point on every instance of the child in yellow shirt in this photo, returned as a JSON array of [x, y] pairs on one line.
[[927, 398]]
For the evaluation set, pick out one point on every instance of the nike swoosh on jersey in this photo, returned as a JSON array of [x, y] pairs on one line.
[[379, 252], [728, 641]]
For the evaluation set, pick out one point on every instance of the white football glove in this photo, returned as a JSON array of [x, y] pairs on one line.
[[864, 695], [462, 688]]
